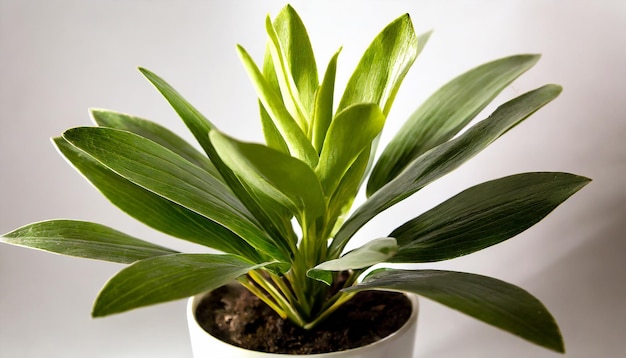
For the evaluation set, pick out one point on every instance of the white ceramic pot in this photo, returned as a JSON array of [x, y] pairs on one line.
[[399, 344]]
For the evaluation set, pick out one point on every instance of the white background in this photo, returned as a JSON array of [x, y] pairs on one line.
[[58, 58]]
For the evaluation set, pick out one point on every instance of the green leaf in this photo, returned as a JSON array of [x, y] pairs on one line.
[[281, 177], [200, 127], [167, 278], [445, 158], [350, 133], [492, 301], [483, 215], [445, 113], [194, 120], [84, 239], [323, 110], [297, 141], [154, 210], [298, 54], [154, 132], [383, 66], [166, 174], [373, 252]]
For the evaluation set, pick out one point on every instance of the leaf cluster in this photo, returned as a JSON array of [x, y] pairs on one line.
[[281, 212]]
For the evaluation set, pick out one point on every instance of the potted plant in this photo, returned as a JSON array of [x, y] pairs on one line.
[[281, 212]]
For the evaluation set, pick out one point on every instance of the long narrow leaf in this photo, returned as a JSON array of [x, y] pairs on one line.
[[154, 210], [492, 301], [299, 145], [445, 158], [383, 66], [298, 54], [167, 278], [84, 239], [483, 215], [445, 113], [161, 171], [323, 111], [155, 132], [200, 127]]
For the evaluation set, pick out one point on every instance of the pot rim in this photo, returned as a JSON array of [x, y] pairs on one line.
[[192, 304]]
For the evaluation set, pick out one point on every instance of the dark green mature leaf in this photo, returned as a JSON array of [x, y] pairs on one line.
[[154, 132], [297, 141], [200, 127], [154, 210], [351, 132], [84, 239], [383, 66], [166, 174], [445, 113], [167, 278], [483, 215], [492, 301], [445, 158], [281, 177]]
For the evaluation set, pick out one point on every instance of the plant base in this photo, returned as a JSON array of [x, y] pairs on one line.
[[374, 322]]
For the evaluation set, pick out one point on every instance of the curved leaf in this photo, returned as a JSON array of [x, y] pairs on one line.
[[445, 158], [492, 301], [383, 66], [299, 145], [83, 239], [167, 278], [281, 177], [154, 210], [483, 215], [323, 111], [350, 133], [154, 132], [166, 174], [445, 113], [372, 253]]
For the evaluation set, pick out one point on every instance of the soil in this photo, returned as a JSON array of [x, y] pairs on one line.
[[233, 314]]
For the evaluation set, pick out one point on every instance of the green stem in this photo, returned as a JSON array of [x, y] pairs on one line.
[[279, 298]]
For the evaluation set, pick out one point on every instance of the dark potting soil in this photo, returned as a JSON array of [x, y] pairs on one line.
[[234, 315]]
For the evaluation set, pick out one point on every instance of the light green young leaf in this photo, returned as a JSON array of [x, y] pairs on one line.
[[445, 158], [372, 253], [297, 141], [445, 113], [323, 110], [167, 278], [166, 174], [298, 55], [483, 215], [154, 132], [487, 299], [154, 210], [383, 66], [350, 133], [83, 239], [281, 177]]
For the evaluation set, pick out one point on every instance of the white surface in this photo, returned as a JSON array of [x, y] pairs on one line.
[[57, 58]]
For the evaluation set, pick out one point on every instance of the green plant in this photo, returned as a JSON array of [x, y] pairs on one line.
[[281, 212]]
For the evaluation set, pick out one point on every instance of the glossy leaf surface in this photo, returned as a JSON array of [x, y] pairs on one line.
[[84, 239], [483, 215], [445, 113], [154, 210], [161, 171], [167, 278], [446, 157], [492, 301]]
